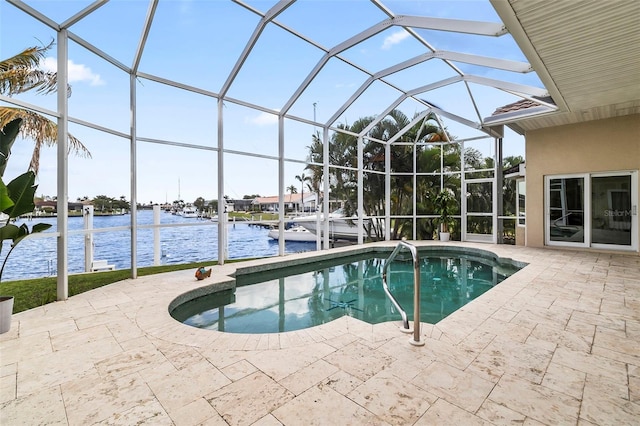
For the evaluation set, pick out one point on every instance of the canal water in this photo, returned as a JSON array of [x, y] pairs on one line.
[[196, 241]]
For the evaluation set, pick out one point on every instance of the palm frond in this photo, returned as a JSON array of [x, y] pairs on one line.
[[43, 131], [20, 80], [20, 73]]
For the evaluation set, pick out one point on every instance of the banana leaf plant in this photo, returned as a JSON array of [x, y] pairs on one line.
[[16, 197], [445, 203]]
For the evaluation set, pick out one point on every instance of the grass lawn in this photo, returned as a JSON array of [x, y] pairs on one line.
[[40, 291], [36, 292]]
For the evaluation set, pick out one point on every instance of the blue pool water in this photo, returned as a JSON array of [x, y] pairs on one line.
[[301, 297]]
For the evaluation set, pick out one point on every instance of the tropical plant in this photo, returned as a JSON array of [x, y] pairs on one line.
[[444, 206], [16, 198], [343, 148], [20, 74]]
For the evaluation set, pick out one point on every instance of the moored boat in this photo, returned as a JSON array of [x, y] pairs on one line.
[[340, 226], [295, 233], [189, 211]]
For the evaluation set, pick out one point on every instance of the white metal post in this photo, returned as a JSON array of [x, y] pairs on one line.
[[387, 191], [63, 168], [325, 173], [498, 210], [87, 215], [463, 197], [134, 178], [360, 178], [156, 234], [222, 226], [281, 185], [415, 186]]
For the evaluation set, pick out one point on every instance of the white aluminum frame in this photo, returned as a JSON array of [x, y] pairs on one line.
[[409, 23]]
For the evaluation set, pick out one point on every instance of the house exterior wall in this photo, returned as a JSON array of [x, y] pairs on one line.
[[595, 146]]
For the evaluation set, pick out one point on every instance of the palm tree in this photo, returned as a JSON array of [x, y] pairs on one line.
[[20, 74], [302, 178], [292, 190], [343, 155]]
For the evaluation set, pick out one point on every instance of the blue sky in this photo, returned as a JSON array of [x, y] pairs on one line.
[[197, 43]]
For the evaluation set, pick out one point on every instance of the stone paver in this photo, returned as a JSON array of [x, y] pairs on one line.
[[557, 343]]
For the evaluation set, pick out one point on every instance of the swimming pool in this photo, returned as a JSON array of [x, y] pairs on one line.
[[293, 298]]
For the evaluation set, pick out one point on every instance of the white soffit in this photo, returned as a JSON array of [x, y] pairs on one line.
[[585, 52]]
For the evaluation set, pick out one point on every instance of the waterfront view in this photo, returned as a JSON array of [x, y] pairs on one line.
[[36, 257]]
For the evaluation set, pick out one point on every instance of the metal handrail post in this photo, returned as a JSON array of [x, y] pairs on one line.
[[416, 298], [416, 290]]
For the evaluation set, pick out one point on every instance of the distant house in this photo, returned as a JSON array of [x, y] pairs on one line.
[[45, 207], [240, 205], [76, 207], [48, 207], [292, 202]]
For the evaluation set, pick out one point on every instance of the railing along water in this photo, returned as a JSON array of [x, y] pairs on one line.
[[416, 291]]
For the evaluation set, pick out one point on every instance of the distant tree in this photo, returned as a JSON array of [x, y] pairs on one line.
[[199, 203], [511, 161], [121, 204], [303, 180], [292, 190], [315, 153], [102, 203], [250, 197], [213, 205], [509, 192]]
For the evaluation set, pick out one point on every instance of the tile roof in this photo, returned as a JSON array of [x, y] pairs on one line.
[[522, 105]]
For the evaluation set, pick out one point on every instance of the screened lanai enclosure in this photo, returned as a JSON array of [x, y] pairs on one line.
[[371, 106]]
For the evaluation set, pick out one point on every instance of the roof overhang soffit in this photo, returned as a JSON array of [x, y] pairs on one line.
[[508, 16]]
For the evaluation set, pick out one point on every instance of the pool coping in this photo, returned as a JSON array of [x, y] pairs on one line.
[[165, 327]]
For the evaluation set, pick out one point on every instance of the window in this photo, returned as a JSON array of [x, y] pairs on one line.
[[592, 210]]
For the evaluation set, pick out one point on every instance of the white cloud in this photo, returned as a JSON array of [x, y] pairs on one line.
[[394, 38], [262, 119], [77, 72], [345, 85]]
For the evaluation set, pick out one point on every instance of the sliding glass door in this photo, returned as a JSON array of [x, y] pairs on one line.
[[592, 210], [611, 210], [566, 209]]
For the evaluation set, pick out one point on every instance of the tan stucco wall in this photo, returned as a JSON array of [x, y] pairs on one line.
[[520, 237], [596, 146]]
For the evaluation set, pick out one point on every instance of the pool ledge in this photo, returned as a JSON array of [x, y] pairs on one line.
[[163, 326]]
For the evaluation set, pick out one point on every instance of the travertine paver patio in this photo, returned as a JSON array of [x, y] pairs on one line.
[[557, 343]]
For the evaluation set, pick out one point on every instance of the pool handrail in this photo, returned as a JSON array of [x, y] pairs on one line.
[[416, 290]]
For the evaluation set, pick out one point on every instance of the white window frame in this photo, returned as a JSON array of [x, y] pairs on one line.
[[587, 211]]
